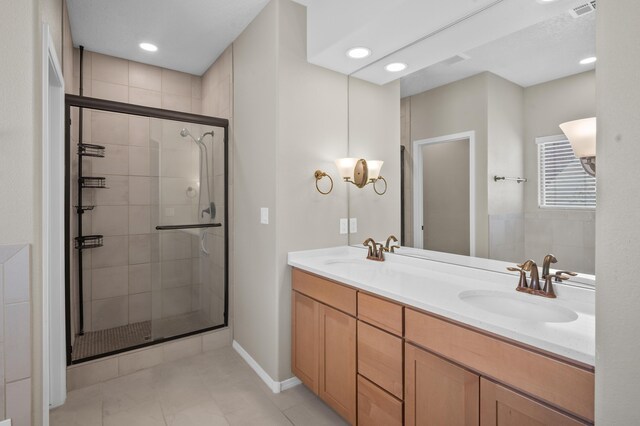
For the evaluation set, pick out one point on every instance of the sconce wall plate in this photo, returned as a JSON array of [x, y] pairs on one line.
[[360, 173]]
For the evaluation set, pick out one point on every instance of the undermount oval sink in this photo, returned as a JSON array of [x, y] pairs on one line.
[[518, 306]]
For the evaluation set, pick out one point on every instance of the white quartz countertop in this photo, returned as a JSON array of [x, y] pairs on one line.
[[435, 287]]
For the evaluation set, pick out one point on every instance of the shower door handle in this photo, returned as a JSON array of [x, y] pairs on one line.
[[192, 226]]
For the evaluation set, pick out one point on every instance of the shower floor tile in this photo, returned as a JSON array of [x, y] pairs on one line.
[[93, 343]]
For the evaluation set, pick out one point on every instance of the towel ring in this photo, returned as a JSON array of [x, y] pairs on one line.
[[385, 185], [319, 174]]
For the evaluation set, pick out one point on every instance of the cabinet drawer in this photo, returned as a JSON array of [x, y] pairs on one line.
[[380, 358], [325, 291], [558, 383], [376, 407], [381, 313]]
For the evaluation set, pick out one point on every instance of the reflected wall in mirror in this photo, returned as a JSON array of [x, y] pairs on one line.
[[496, 111]]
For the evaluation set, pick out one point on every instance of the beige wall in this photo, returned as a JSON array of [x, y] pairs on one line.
[[374, 134], [546, 106], [569, 234], [505, 118], [618, 210], [458, 107], [510, 118], [290, 119], [20, 147], [255, 58]]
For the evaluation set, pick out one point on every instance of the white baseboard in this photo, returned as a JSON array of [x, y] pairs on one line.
[[276, 387]]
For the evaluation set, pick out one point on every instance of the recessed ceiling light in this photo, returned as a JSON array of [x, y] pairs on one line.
[[395, 67], [358, 52], [587, 61], [148, 47]]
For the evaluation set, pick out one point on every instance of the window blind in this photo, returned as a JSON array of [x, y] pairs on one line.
[[563, 182]]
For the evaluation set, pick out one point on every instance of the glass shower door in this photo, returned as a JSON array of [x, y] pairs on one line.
[[188, 247]]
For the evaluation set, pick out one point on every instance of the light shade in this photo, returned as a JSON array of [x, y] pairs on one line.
[[346, 167], [582, 136], [374, 168]]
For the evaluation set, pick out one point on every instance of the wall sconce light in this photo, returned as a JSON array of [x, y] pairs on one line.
[[319, 174], [361, 172], [582, 136]]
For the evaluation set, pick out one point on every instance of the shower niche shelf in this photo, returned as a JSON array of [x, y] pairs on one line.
[[93, 182], [88, 242], [90, 150]]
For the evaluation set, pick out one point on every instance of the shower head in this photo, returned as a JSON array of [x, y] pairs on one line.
[[184, 133], [207, 133]]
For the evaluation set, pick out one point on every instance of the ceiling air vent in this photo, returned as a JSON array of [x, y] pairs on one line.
[[583, 9], [455, 59]]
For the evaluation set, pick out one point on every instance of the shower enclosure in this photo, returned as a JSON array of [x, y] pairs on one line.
[[147, 226]]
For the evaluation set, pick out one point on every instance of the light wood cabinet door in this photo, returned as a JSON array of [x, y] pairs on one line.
[[376, 407], [438, 392], [305, 339], [500, 406], [337, 384]]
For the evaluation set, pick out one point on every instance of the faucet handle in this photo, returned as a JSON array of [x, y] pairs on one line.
[[522, 284], [563, 275]]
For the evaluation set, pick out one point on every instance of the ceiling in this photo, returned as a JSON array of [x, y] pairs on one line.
[[546, 51], [420, 33], [524, 41], [190, 35]]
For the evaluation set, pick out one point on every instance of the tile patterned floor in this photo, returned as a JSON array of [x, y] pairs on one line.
[[214, 388]]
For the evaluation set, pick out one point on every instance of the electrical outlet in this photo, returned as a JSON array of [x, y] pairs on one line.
[[353, 225], [264, 215], [344, 226]]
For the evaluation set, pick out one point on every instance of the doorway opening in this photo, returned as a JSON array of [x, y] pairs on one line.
[[444, 193]]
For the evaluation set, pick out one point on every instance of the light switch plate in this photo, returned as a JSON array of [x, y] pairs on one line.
[[264, 215], [344, 226], [353, 225]]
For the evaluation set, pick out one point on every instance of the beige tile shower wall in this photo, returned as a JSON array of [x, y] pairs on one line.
[[217, 101], [118, 276]]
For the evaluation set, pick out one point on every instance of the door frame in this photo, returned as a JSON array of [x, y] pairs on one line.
[[54, 384], [418, 212]]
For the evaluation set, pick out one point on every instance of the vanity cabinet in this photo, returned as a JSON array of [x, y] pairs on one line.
[[324, 341], [439, 392], [377, 362], [500, 406]]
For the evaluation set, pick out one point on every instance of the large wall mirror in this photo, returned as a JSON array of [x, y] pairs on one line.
[[478, 165]]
